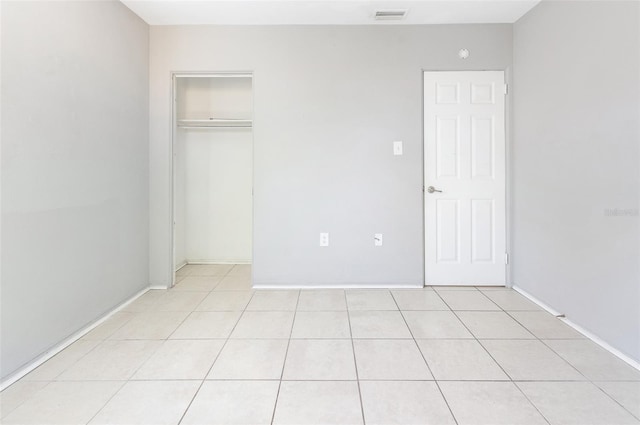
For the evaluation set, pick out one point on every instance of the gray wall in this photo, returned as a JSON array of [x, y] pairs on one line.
[[329, 102], [575, 155], [74, 169]]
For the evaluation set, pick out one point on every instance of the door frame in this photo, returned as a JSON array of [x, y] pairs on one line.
[[174, 75], [508, 137]]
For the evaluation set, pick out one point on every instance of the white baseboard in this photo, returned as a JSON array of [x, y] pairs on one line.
[[213, 262], [631, 362], [266, 285], [65, 343], [536, 301], [159, 287], [184, 263]]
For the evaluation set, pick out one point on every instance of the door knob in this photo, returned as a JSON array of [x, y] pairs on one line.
[[432, 189]]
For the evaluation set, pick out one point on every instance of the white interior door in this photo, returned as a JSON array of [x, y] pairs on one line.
[[465, 223]]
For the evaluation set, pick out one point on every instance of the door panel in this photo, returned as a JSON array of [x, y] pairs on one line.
[[448, 145], [448, 230], [482, 147], [465, 159]]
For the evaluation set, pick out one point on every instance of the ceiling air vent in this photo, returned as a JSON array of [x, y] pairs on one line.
[[390, 15]]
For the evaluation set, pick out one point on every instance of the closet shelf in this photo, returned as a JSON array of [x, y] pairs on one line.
[[216, 123]]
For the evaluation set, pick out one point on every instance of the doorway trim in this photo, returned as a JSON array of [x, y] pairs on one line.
[[174, 75]]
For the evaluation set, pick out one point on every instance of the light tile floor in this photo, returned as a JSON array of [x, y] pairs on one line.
[[214, 351]]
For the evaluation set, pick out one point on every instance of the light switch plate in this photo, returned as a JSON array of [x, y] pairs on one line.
[[377, 239], [397, 147]]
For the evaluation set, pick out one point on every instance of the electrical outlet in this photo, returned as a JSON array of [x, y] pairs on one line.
[[324, 239], [377, 239]]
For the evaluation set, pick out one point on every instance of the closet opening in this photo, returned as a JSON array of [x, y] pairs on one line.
[[212, 178]]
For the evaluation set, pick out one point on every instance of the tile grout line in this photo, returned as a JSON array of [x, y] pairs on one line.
[[586, 379], [125, 382], [543, 342], [614, 400], [424, 359], [128, 380], [355, 360], [55, 380], [204, 379], [4, 414], [536, 338], [494, 360], [284, 362]]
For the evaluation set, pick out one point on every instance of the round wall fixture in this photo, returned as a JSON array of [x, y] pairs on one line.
[[463, 54]]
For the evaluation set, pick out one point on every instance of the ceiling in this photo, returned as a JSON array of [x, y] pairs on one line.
[[326, 12]]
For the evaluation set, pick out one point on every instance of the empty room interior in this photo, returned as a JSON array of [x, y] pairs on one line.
[[320, 212]]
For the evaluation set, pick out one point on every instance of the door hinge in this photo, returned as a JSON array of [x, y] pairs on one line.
[[506, 258], [506, 89]]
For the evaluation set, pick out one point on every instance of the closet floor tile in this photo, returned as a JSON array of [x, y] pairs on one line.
[[208, 269], [197, 283]]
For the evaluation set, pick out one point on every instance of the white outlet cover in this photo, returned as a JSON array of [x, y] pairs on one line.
[[324, 239], [397, 147]]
